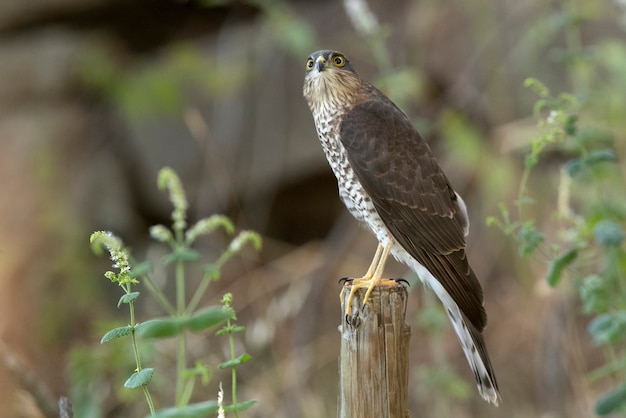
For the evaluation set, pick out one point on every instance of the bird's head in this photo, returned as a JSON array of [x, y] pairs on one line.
[[327, 60], [330, 78]]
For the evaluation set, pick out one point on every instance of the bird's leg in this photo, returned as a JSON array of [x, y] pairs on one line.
[[370, 272], [375, 261], [378, 273], [372, 278]]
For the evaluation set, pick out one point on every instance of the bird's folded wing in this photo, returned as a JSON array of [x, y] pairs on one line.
[[412, 196]]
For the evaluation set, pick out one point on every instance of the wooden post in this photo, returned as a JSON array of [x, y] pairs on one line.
[[374, 361]]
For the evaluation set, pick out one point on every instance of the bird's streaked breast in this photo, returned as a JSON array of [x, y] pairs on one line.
[[329, 99]]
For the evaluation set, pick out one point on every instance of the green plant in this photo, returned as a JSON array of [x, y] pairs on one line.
[[125, 279], [586, 237], [182, 316]]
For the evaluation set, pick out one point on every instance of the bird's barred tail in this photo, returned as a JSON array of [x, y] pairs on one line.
[[476, 353], [471, 341]]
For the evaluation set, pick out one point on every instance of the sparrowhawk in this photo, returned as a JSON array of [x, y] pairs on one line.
[[389, 179]]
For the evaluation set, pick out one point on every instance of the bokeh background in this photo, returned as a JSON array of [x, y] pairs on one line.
[[96, 96]]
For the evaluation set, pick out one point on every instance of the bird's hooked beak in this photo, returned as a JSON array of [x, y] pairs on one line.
[[320, 63]]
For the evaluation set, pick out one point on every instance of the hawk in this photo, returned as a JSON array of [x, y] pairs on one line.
[[390, 181]]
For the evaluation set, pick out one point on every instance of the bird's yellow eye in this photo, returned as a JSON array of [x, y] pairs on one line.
[[339, 61], [309, 64]]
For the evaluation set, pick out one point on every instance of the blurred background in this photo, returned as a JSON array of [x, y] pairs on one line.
[[96, 96]]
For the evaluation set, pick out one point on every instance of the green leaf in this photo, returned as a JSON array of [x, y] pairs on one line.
[[594, 294], [237, 328], [594, 137], [116, 333], [181, 254], [209, 317], [608, 327], [612, 401], [244, 358], [606, 155], [160, 328], [241, 406], [555, 270], [608, 233], [128, 298], [574, 166], [230, 330], [198, 410], [139, 378], [529, 238], [570, 125]]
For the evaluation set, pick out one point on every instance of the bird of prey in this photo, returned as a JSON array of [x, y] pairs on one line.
[[389, 180]]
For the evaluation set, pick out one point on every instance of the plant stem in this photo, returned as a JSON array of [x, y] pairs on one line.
[[146, 391], [231, 342], [158, 294], [182, 343], [133, 337], [522, 192], [197, 296], [180, 288], [204, 284]]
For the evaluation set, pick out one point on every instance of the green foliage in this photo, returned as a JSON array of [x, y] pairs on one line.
[[529, 237], [116, 333], [588, 245], [198, 410], [160, 327], [139, 379], [182, 316], [608, 328], [161, 87], [244, 358], [558, 264], [230, 329], [613, 401], [171, 326], [209, 317], [586, 242], [608, 233], [128, 298]]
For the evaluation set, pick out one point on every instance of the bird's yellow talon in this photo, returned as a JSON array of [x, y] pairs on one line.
[[371, 279]]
